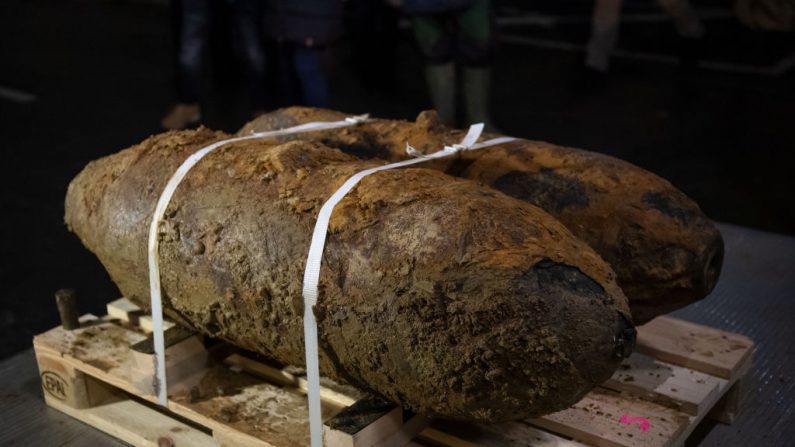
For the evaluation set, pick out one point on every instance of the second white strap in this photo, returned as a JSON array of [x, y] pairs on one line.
[[314, 259]]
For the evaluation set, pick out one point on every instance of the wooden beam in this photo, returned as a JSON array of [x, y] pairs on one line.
[[186, 360], [673, 386], [729, 406], [363, 424], [608, 419], [513, 434], [124, 310], [285, 378], [131, 421], [691, 345]]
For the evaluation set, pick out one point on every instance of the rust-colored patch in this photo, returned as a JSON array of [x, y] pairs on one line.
[[665, 251], [443, 295]]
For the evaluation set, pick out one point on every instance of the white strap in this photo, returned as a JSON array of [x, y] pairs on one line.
[[313, 260], [161, 385]]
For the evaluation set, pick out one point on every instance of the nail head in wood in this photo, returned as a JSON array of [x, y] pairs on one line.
[[66, 300]]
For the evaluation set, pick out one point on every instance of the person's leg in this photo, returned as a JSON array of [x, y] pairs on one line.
[[604, 34], [309, 67], [687, 22], [287, 87], [475, 34], [248, 14], [373, 28], [689, 29], [175, 12], [436, 44], [475, 49], [195, 19], [193, 42]]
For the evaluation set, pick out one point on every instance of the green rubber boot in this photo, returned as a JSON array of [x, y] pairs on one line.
[[441, 86], [477, 82]]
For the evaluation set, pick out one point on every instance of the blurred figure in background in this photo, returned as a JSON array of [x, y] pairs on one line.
[[305, 29], [769, 15], [447, 30], [373, 29], [194, 20], [605, 27]]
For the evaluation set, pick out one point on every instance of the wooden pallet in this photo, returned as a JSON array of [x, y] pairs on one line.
[[102, 372]]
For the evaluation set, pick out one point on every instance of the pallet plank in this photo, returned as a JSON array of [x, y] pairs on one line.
[[186, 359], [691, 345], [131, 421], [606, 418], [147, 325], [124, 310], [402, 437], [741, 373], [62, 382], [269, 411], [364, 423], [238, 408], [285, 378], [650, 401], [504, 434], [729, 406], [673, 386]]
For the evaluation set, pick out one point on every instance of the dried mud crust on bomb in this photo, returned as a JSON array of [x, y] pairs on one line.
[[665, 251], [448, 298]]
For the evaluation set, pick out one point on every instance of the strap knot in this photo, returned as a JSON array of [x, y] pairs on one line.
[[455, 148], [356, 119], [411, 152]]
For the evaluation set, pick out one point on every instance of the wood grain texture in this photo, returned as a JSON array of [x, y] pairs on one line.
[[133, 422], [683, 389], [222, 396], [607, 419], [706, 349]]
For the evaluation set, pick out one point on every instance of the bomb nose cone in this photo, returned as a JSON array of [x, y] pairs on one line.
[[713, 262], [625, 336]]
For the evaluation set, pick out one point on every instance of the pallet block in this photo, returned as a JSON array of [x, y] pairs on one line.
[[102, 374]]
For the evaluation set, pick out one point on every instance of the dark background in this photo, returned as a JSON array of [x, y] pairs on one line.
[[101, 72]]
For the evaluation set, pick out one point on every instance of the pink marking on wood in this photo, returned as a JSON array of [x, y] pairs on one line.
[[643, 423]]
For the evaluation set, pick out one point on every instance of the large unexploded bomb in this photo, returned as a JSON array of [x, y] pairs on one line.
[[665, 251], [449, 298]]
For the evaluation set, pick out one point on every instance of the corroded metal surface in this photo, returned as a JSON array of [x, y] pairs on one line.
[[442, 295], [665, 251], [753, 297]]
